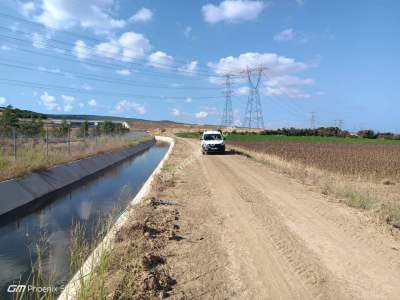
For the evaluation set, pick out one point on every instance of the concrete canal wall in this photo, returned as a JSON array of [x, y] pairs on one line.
[[20, 192]]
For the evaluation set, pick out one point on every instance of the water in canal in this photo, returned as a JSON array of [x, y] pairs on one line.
[[84, 203]]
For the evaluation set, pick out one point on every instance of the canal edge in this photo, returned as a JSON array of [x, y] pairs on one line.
[[73, 286]]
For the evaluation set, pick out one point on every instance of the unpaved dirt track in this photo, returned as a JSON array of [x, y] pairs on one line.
[[276, 239]]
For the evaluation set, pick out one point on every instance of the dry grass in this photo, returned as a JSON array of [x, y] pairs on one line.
[[362, 191], [31, 155]]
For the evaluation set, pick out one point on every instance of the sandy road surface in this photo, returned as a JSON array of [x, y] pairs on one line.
[[251, 233]]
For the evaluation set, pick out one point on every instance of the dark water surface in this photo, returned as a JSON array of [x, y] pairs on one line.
[[86, 203]]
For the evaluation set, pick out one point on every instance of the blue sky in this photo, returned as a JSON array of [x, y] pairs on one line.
[[165, 59]]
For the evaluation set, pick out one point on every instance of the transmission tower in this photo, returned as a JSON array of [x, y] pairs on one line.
[[253, 114], [227, 116], [312, 120]]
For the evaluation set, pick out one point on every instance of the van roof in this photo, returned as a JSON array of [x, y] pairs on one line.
[[212, 132]]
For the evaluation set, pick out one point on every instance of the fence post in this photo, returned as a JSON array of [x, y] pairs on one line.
[[14, 143], [69, 140], [47, 141]]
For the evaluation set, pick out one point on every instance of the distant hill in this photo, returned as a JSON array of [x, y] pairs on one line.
[[29, 114]]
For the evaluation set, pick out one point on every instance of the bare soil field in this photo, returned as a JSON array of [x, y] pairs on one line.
[[372, 161], [229, 227]]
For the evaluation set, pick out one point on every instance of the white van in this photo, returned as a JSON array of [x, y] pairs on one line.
[[212, 141]]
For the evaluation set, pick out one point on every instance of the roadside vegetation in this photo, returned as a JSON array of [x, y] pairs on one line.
[[27, 146], [284, 136]]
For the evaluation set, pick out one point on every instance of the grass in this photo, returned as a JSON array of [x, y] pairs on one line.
[[283, 138], [31, 154]]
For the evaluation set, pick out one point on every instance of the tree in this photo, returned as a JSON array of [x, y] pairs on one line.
[[83, 130], [9, 119], [367, 134]]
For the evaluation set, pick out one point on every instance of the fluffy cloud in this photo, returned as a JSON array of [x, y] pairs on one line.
[[128, 47], [80, 50], [201, 115], [160, 60], [143, 15], [124, 72], [125, 105], [284, 35], [3, 100], [134, 46], [62, 14], [189, 100], [49, 102], [233, 11], [190, 68], [274, 64], [278, 79], [68, 102], [289, 86], [92, 102]]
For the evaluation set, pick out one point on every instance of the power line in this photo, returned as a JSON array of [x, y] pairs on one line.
[[26, 66], [119, 63], [182, 62], [83, 91]]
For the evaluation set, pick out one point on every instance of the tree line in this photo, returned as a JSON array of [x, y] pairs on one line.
[[32, 125]]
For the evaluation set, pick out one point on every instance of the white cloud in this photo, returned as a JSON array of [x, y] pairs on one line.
[[92, 102], [134, 45], [190, 68], [68, 102], [128, 47], [284, 35], [81, 104], [289, 86], [142, 15], [49, 102], [278, 79], [233, 11], [243, 90], [108, 49], [5, 48], [63, 14], [27, 8], [201, 114], [80, 50], [176, 112], [189, 100], [274, 64], [38, 40], [124, 72], [3, 100], [125, 105], [160, 60]]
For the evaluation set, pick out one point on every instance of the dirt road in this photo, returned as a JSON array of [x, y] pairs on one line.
[[251, 233]]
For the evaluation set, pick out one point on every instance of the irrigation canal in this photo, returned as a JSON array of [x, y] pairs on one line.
[[50, 226]]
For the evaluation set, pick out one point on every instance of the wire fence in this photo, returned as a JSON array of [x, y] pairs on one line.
[[15, 145]]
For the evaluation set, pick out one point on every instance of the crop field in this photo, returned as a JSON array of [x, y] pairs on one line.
[[304, 139], [374, 161]]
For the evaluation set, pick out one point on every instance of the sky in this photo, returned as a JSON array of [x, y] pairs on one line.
[[168, 60]]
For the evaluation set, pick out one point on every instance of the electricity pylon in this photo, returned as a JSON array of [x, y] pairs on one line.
[[227, 115], [253, 114]]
